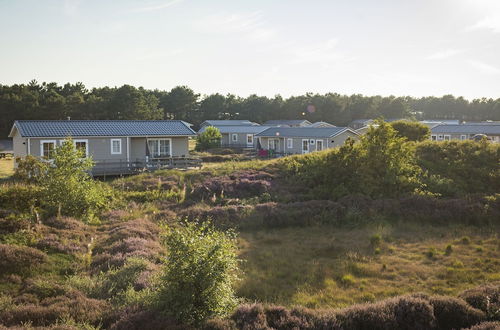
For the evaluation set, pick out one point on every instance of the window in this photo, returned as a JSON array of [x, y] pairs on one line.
[[447, 137], [319, 145], [289, 143], [47, 148], [440, 136], [158, 148], [82, 145], [433, 137], [463, 137], [116, 146], [305, 146], [234, 137], [272, 144], [250, 139]]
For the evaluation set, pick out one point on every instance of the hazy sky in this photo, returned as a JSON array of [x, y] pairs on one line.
[[399, 47]]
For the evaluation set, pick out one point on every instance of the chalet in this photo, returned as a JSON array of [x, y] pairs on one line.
[[321, 124], [118, 144], [238, 136], [218, 123], [297, 140], [466, 132], [288, 123]]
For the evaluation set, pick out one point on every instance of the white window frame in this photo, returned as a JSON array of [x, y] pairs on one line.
[[289, 143], [234, 137], [161, 139], [86, 145], [440, 137], [434, 137], [306, 144], [447, 137], [250, 143], [42, 142], [463, 137], [322, 145], [120, 144]]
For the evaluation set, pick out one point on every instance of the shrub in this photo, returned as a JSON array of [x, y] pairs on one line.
[[210, 138], [347, 280], [20, 196], [72, 305], [453, 313], [199, 273], [485, 298], [486, 326], [411, 130], [448, 250], [12, 224], [250, 317], [375, 240], [132, 318], [68, 189], [19, 259], [30, 169]]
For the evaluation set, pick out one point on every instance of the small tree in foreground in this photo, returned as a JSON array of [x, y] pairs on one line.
[[199, 274], [67, 187], [210, 138]]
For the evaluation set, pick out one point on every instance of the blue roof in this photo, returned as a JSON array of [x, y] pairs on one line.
[[467, 129], [75, 128], [237, 129], [287, 122], [228, 123], [320, 132]]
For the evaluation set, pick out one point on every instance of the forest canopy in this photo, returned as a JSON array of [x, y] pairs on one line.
[[51, 101]]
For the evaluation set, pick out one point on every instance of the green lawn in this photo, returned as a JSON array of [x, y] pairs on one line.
[[6, 167]]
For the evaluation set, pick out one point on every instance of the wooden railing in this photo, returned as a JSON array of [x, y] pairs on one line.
[[120, 167]]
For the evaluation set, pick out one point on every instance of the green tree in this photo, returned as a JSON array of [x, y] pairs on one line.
[[67, 187], [180, 103], [411, 130], [210, 138], [200, 272]]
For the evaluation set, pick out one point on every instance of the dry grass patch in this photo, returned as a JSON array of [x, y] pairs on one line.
[[6, 167], [325, 266]]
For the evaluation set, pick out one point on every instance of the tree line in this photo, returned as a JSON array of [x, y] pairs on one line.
[[52, 101]]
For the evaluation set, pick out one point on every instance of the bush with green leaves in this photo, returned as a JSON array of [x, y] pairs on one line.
[[210, 138], [200, 272], [411, 130], [67, 187], [381, 164]]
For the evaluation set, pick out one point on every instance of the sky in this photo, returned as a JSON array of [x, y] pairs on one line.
[[264, 47]]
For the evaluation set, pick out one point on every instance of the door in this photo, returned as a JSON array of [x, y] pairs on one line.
[[305, 146], [319, 145], [273, 144], [249, 140]]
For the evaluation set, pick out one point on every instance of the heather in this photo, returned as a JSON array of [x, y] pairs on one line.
[[348, 238]]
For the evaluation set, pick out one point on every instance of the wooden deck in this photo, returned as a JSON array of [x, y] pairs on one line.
[[104, 168]]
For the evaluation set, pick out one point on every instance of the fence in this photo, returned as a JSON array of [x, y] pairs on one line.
[[112, 167]]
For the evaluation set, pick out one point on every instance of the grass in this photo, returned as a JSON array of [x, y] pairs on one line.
[[321, 267], [6, 167]]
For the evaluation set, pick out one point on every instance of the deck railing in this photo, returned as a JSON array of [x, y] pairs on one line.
[[119, 167]]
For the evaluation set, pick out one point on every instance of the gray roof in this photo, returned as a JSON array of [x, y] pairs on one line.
[[321, 124], [287, 122], [362, 121], [320, 132], [237, 129], [468, 129], [228, 123], [64, 128]]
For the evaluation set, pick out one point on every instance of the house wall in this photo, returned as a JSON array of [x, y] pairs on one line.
[[242, 140], [337, 141], [457, 136], [100, 148]]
